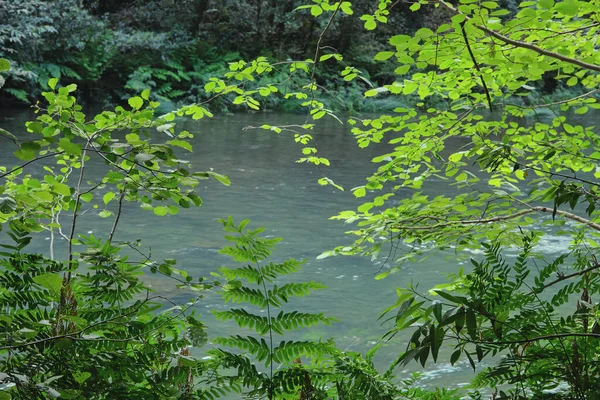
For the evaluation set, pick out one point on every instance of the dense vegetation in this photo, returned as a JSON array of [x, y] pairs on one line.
[[115, 49], [88, 327]]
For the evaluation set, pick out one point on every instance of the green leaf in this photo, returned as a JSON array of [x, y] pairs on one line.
[[7, 205], [28, 151], [454, 357], [568, 7], [489, 4], [141, 158], [359, 192], [316, 10], [4, 65], [61, 189], [52, 83], [181, 143], [383, 55], [50, 281], [161, 211], [86, 197], [221, 178], [81, 376], [471, 324], [72, 149], [135, 102], [108, 197], [105, 214], [9, 136]]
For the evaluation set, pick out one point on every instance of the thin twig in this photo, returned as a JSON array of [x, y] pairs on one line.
[[556, 103], [119, 208], [29, 162], [485, 88]]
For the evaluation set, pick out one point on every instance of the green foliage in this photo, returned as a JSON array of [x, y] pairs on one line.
[[538, 145], [479, 126], [176, 47], [544, 326], [473, 79], [251, 249], [88, 327], [90, 337]]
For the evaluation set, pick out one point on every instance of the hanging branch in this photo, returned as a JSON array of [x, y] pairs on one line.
[[485, 88]]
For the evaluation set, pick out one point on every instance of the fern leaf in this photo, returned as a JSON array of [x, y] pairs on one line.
[[289, 351], [287, 267], [295, 320], [249, 273], [245, 319], [258, 348], [245, 295], [294, 289]]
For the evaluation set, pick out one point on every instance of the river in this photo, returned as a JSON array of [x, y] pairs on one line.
[[272, 190]]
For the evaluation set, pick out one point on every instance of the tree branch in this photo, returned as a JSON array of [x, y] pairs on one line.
[[500, 218], [591, 92], [29, 162], [524, 45], [565, 277]]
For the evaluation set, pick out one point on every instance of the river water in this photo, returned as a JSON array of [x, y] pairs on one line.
[[272, 190]]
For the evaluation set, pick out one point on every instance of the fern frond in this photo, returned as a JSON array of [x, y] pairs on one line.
[[18, 94], [245, 295], [294, 289], [249, 273], [246, 369], [69, 72], [258, 348], [289, 351], [361, 380], [294, 320], [245, 319], [287, 267], [249, 248]]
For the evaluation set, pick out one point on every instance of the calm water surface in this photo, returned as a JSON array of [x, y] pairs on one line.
[[273, 191]]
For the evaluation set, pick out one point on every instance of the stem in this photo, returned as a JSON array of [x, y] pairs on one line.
[[52, 236], [119, 208], [75, 215], [262, 278]]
